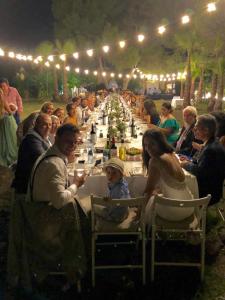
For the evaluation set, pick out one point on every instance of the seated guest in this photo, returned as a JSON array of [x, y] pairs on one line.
[[117, 189], [60, 113], [184, 144], [151, 110], [33, 145], [220, 120], [71, 114], [86, 112], [168, 124], [210, 165], [55, 126], [77, 101], [27, 124], [165, 176], [47, 108]]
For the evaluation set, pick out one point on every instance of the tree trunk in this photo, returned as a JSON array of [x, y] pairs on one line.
[[181, 89], [55, 81], [192, 92], [188, 82], [102, 70], [125, 83], [220, 88], [200, 86], [65, 88], [213, 92]]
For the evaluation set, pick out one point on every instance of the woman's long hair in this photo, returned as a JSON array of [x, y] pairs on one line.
[[157, 136]]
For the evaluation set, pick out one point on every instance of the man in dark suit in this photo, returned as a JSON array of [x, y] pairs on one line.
[[210, 166], [32, 146]]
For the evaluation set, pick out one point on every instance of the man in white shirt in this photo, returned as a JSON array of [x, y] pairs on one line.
[[49, 180]]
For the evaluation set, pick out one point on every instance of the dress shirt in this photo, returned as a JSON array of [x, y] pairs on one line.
[[50, 182]]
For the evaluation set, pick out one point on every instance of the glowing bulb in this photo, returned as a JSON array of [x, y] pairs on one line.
[[62, 57], [51, 57], [86, 72], [76, 55], [11, 54], [67, 68], [103, 74], [161, 29], [142, 76], [90, 52], [35, 61], [30, 57], [140, 38], [112, 75], [57, 66], [39, 58], [120, 75], [128, 76], [185, 19], [77, 70], [47, 64], [134, 76], [95, 73], [2, 52], [105, 48], [211, 7], [122, 44]]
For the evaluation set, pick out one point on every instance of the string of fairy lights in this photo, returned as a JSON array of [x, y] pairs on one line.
[[136, 73]]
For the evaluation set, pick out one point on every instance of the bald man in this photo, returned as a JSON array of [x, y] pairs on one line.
[[34, 144]]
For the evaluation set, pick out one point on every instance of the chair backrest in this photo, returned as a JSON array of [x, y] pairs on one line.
[[199, 205], [138, 203]]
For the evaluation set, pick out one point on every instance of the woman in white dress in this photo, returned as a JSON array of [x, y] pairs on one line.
[[165, 176]]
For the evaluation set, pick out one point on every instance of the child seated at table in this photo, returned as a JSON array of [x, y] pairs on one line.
[[117, 189]]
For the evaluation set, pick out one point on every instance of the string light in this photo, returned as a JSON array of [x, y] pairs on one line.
[[77, 70], [76, 55], [67, 68], [11, 54], [47, 64], [140, 38], [51, 58], [95, 73], [103, 74], [112, 75], [30, 57], [122, 44], [185, 19], [2, 52], [86, 72], [120, 75], [105, 48], [211, 7], [62, 57], [57, 66], [161, 29], [90, 52]]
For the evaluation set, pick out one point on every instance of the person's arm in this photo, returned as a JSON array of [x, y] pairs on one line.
[[153, 178], [19, 102]]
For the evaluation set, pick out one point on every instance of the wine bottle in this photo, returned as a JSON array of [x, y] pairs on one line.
[[93, 135], [132, 126]]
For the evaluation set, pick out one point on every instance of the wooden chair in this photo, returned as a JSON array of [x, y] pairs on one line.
[[133, 225], [194, 224]]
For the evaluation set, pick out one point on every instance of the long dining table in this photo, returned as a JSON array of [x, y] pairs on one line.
[[96, 182]]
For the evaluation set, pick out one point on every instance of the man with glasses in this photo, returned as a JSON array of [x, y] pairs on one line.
[[210, 165]]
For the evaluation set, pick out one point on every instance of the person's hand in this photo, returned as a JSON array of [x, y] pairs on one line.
[[197, 146], [151, 126], [79, 180], [183, 158], [184, 163]]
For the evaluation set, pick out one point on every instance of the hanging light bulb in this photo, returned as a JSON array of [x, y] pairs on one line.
[[76, 55], [57, 66], [90, 52], [134, 76], [67, 68], [185, 19], [77, 70], [161, 29], [140, 38], [51, 57], [103, 74], [86, 72], [11, 54], [211, 7], [128, 76], [30, 57], [95, 73], [112, 75], [47, 64], [120, 75], [62, 57], [122, 44], [105, 48]]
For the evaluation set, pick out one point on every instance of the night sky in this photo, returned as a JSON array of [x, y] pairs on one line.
[[25, 23]]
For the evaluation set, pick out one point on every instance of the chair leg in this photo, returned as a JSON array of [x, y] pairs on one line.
[[143, 260], [153, 254], [93, 260], [202, 257]]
